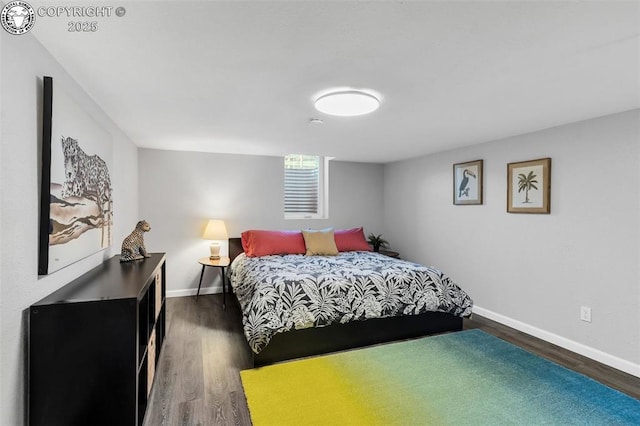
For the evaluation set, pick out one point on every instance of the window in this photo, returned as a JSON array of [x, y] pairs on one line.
[[305, 193]]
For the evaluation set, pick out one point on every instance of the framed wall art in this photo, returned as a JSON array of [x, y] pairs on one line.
[[76, 204], [467, 183], [529, 186]]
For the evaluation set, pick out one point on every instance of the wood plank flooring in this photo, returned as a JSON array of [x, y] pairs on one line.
[[198, 382]]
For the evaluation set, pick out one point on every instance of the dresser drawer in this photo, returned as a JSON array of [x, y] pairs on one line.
[[158, 292], [151, 361]]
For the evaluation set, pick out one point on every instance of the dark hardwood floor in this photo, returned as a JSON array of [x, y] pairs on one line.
[[198, 382]]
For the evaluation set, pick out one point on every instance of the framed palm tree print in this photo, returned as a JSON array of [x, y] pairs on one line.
[[467, 183], [529, 186]]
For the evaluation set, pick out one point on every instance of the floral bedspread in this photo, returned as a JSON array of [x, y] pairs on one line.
[[283, 292]]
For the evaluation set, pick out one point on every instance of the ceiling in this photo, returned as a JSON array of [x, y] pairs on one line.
[[240, 77]]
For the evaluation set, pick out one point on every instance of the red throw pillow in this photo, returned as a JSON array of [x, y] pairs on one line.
[[263, 243], [246, 244], [351, 240]]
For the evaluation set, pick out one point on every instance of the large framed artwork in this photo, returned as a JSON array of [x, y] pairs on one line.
[[76, 204], [467, 183], [529, 186]]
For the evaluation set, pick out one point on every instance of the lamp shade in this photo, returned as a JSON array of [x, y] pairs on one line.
[[215, 230]]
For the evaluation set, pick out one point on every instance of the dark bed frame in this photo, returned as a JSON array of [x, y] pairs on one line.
[[337, 337]]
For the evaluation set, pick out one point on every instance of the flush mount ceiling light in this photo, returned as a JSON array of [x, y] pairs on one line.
[[347, 103]]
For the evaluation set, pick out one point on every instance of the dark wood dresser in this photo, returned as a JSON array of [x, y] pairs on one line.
[[94, 345]]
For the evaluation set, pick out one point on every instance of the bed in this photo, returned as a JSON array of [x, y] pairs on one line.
[[295, 306]]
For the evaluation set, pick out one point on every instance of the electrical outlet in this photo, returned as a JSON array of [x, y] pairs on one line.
[[585, 313]]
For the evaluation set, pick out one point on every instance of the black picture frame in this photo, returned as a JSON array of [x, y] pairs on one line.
[[45, 178]]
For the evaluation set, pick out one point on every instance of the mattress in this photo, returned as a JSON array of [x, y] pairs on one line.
[[279, 293]]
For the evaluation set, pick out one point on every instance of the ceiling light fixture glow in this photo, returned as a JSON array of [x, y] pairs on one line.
[[347, 103]]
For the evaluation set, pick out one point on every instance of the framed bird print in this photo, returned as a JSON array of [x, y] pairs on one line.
[[529, 186], [467, 183]]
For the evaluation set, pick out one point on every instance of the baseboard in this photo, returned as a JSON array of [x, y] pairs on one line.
[[579, 348], [194, 291]]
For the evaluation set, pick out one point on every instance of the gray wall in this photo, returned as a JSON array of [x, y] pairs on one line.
[[23, 62], [180, 191], [535, 271]]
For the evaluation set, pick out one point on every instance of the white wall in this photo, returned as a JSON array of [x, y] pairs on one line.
[[180, 191], [535, 271], [23, 63]]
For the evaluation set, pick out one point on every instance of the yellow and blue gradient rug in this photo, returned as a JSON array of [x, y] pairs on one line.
[[463, 378]]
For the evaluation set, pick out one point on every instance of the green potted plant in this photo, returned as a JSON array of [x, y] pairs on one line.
[[377, 242]]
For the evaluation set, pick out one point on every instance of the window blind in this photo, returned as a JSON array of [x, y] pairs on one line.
[[301, 184]]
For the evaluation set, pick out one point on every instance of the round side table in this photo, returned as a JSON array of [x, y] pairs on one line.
[[221, 263]]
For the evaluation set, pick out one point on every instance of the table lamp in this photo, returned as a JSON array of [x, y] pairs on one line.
[[215, 230]]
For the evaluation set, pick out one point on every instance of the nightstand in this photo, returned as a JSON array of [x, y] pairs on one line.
[[221, 264], [390, 253]]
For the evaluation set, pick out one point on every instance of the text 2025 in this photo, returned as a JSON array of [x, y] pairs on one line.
[[82, 26]]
